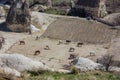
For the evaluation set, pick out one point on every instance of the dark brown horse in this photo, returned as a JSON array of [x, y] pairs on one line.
[[37, 52], [21, 42], [71, 49], [67, 42], [79, 44]]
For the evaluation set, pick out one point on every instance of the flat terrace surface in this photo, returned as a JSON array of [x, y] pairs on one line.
[[80, 30], [57, 56]]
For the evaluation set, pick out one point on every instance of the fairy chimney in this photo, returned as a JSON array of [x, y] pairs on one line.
[[102, 8], [49, 2], [95, 7], [19, 18]]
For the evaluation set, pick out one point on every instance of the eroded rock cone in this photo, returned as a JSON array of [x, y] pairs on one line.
[[19, 18]]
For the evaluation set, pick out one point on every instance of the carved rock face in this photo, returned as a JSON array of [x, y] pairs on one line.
[[18, 18]]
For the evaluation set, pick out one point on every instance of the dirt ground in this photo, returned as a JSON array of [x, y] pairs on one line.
[[57, 56]]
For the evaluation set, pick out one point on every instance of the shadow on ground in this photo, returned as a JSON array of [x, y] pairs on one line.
[[3, 27]]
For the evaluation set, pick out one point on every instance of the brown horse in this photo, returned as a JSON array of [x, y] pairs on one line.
[[73, 56], [37, 52], [37, 37], [21, 42], [79, 44], [47, 47], [67, 42], [71, 49]]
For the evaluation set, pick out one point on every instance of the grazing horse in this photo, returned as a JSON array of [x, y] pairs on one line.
[[79, 44], [73, 56], [37, 52], [71, 49], [3, 40], [60, 42], [67, 41], [92, 53], [47, 47], [51, 58], [36, 38], [21, 42]]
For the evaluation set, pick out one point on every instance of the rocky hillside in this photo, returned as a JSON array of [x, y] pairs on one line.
[[80, 30]]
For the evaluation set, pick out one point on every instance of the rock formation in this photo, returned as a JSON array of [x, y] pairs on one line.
[[2, 11], [19, 18], [85, 64], [94, 7], [49, 2], [80, 30], [102, 8], [113, 19]]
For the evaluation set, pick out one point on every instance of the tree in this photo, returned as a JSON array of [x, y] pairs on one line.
[[19, 17], [106, 61]]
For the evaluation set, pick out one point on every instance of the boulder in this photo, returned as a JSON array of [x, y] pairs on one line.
[[113, 19], [21, 63], [19, 18], [85, 64]]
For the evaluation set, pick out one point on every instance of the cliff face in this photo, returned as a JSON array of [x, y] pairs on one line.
[[18, 18]]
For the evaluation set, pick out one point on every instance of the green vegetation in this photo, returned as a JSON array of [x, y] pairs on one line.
[[57, 12], [58, 2], [97, 75]]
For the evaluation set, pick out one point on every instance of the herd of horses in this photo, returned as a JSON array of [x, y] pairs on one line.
[[71, 57]]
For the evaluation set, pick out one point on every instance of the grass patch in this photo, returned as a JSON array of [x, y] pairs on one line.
[[96, 75], [60, 2]]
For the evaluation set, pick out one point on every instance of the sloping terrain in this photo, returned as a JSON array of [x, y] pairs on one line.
[[113, 19], [80, 30]]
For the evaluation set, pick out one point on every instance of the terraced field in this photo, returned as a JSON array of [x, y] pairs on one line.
[[80, 30]]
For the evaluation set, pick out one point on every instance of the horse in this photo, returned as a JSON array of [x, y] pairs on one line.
[[21, 42], [37, 52], [71, 49], [47, 47], [67, 41], [79, 44], [92, 53], [60, 42]]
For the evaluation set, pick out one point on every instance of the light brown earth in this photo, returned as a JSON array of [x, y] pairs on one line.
[[58, 55]]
